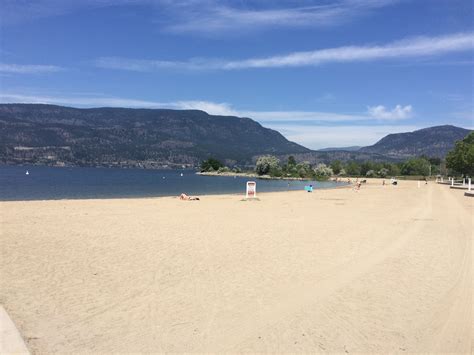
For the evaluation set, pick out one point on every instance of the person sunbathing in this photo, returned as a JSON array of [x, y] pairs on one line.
[[185, 197]]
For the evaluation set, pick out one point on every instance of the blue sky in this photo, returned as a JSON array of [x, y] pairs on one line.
[[323, 73]]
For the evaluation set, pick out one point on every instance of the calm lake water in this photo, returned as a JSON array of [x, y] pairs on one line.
[[47, 183]]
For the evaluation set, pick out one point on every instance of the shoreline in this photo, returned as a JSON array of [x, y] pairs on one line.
[[291, 273], [174, 196], [256, 176]]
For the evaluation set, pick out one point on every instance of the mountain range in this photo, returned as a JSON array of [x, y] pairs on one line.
[[56, 135], [431, 142], [153, 138]]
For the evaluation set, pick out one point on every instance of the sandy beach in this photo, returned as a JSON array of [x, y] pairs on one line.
[[385, 269]]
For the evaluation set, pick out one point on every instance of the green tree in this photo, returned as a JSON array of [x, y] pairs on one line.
[[211, 164], [367, 166], [416, 166], [291, 161], [461, 158], [393, 169], [353, 169], [336, 167], [304, 170], [266, 163], [289, 169]]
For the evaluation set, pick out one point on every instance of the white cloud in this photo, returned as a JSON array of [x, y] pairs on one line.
[[213, 108], [288, 116], [397, 113], [16, 11], [28, 69], [218, 17], [319, 129], [78, 101], [320, 136], [143, 65], [214, 17], [221, 109], [407, 48], [414, 47]]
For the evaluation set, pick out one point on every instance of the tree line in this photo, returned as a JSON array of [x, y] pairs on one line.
[[458, 161]]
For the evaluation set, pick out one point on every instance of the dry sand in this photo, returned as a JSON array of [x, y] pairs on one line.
[[386, 269]]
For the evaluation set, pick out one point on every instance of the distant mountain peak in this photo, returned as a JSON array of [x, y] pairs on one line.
[[434, 141]]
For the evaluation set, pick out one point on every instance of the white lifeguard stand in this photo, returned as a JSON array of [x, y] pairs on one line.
[[251, 190]]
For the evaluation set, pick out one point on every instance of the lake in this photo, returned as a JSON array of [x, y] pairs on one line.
[[50, 183]]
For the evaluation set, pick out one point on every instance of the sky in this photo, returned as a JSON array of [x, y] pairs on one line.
[[323, 73]]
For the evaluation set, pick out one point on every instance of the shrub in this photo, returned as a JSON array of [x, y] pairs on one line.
[[211, 164], [276, 171], [370, 173], [223, 169], [383, 172], [304, 170], [265, 164], [322, 171]]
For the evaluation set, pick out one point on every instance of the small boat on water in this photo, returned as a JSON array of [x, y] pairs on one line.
[[27, 173]]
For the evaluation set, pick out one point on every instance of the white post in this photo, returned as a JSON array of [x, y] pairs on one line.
[[469, 184], [452, 182], [463, 181], [442, 179]]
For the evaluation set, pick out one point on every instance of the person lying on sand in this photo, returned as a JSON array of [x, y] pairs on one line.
[[185, 197]]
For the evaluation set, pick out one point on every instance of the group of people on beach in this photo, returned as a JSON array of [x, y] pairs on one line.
[[357, 186]]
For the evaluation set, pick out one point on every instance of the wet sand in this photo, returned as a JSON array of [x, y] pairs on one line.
[[385, 269]]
